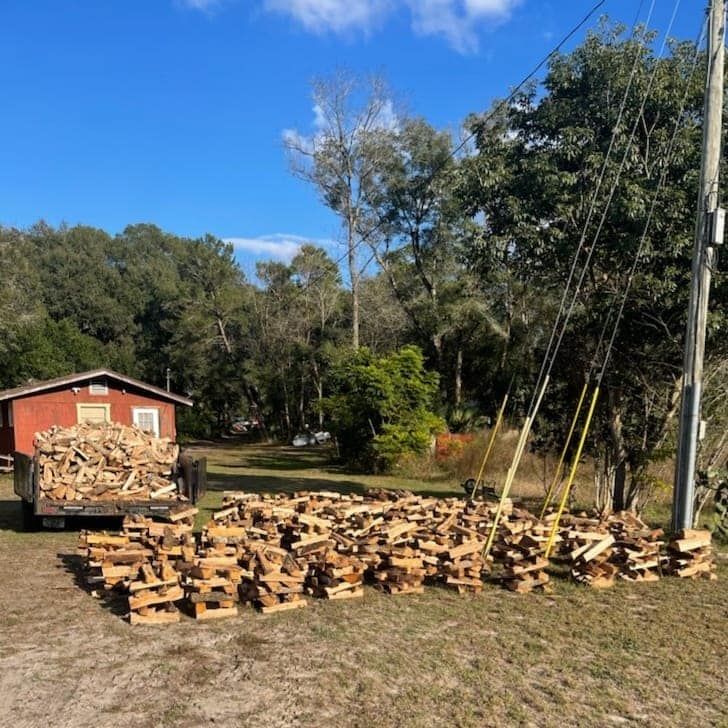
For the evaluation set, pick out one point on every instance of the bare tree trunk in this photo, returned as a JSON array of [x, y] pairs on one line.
[[319, 392], [223, 335], [286, 410], [355, 312], [354, 275], [302, 402], [621, 499], [438, 347], [459, 377], [603, 482]]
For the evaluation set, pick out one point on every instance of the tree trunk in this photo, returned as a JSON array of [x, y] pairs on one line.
[[620, 497], [438, 347], [302, 403], [459, 378], [603, 482], [354, 275], [286, 410], [319, 392], [355, 312]]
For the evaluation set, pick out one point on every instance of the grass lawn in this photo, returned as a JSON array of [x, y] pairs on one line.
[[651, 654]]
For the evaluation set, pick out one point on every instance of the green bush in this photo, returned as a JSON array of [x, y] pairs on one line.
[[381, 407]]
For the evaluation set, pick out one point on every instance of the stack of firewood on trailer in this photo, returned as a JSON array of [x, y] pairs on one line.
[[274, 552], [105, 461]]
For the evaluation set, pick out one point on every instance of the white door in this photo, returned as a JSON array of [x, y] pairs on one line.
[[146, 418]]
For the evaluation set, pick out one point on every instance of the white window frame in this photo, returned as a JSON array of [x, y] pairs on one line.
[[96, 405], [98, 387], [154, 411]]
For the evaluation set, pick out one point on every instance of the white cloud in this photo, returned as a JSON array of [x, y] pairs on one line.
[[204, 5], [278, 246], [337, 16], [458, 21]]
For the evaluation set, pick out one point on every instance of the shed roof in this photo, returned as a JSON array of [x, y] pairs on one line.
[[34, 387]]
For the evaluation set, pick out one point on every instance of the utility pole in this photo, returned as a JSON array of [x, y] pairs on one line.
[[708, 233], [169, 378]]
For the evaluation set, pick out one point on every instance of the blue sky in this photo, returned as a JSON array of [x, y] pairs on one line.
[[172, 111]]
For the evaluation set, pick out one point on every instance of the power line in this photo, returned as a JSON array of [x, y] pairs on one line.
[[612, 191], [547, 361], [541, 389], [490, 115]]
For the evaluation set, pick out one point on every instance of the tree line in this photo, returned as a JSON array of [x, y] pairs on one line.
[[460, 246]]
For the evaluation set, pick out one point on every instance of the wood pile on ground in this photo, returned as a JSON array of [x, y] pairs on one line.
[[601, 549], [105, 461], [143, 557], [274, 579], [111, 560], [171, 539], [403, 540], [690, 555], [273, 550], [153, 594], [333, 575], [518, 551], [211, 586]]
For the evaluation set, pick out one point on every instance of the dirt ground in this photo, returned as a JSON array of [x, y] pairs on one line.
[[650, 654]]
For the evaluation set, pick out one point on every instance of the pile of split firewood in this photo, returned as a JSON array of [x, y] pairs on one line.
[[690, 555], [274, 551], [105, 461], [142, 564], [400, 540], [600, 550]]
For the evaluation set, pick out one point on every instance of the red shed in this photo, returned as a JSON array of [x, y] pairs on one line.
[[96, 396]]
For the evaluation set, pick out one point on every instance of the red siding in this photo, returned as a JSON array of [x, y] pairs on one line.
[[39, 411]]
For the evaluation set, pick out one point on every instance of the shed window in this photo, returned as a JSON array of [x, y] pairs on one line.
[[98, 387], [146, 418], [93, 412], [10, 414]]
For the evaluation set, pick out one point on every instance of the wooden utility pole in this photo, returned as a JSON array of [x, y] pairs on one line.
[[708, 233]]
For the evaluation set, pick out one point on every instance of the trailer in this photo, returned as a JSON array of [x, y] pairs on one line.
[[189, 473]]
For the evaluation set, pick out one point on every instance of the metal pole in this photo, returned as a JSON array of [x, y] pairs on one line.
[[689, 427], [169, 376]]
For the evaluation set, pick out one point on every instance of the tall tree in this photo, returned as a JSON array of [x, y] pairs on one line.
[[421, 250], [341, 159], [555, 145]]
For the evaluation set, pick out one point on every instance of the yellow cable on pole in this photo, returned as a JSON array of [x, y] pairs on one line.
[[572, 474], [491, 442], [522, 440], [559, 467]]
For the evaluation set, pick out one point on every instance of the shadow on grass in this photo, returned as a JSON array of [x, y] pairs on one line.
[[276, 457], [291, 484], [11, 515], [112, 601]]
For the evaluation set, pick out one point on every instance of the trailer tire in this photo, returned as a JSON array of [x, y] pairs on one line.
[[31, 522]]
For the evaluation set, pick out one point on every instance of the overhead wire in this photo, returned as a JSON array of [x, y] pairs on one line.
[[594, 198], [438, 169], [627, 288], [540, 389]]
